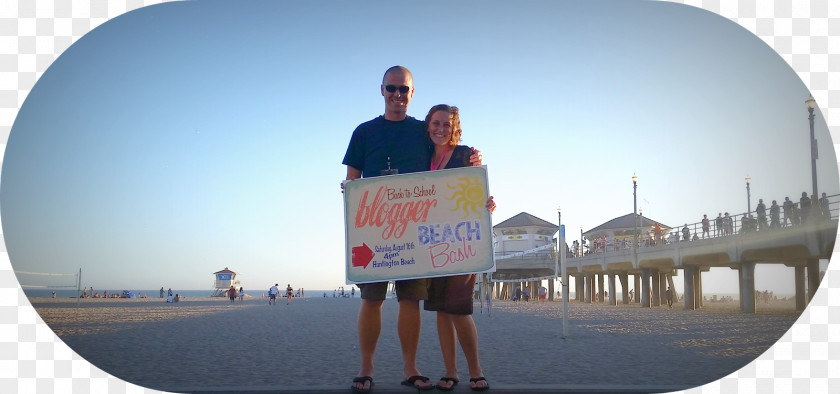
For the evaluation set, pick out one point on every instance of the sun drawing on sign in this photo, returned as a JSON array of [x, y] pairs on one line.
[[469, 195]]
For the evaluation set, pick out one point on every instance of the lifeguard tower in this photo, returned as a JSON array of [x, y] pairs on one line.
[[224, 280]]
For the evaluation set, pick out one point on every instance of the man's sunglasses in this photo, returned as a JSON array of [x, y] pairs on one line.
[[391, 88]]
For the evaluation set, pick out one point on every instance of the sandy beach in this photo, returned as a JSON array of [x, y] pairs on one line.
[[211, 343]]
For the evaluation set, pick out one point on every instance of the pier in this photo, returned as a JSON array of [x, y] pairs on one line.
[[654, 262]]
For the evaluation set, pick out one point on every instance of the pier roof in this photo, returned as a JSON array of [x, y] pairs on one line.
[[525, 220], [626, 222]]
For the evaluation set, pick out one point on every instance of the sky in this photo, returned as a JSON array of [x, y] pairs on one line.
[[182, 138]]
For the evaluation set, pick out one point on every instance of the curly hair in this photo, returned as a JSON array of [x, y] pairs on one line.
[[454, 120]]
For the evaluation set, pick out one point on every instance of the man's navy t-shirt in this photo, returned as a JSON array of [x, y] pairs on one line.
[[374, 141]]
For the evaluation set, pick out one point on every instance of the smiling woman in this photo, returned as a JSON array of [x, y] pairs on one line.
[[179, 137]]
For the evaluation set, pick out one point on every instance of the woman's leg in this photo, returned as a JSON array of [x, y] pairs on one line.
[[468, 338], [446, 336]]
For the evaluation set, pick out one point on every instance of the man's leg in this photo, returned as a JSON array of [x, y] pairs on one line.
[[369, 325], [408, 328]]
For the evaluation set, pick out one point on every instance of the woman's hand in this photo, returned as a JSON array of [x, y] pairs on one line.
[[490, 204], [475, 158]]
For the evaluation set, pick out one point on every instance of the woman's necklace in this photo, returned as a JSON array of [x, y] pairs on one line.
[[442, 156]]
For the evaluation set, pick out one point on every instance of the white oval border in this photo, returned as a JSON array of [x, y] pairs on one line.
[[798, 30]]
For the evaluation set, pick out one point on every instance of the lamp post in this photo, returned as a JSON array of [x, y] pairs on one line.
[[811, 104], [636, 232], [581, 241], [564, 277], [560, 240], [635, 218], [749, 207]]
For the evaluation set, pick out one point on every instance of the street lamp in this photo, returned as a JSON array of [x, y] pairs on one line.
[[564, 277], [635, 229], [811, 104], [749, 207], [635, 218], [560, 241]]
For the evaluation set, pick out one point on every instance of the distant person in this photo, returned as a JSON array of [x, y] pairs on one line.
[[170, 291], [289, 291], [674, 237], [705, 224], [53, 294], [161, 292], [824, 207], [686, 233], [774, 215], [669, 296], [761, 212], [787, 208], [517, 294], [745, 224], [232, 293], [727, 224], [658, 232], [804, 208], [719, 229], [241, 294], [272, 294]]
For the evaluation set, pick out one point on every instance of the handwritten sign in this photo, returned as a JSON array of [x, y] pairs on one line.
[[418, 225]]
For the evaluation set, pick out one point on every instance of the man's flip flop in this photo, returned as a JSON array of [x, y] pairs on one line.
[[476, 380], [454, 382], [410, 382], [362, 380]]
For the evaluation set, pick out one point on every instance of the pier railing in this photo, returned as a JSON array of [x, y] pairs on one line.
[[740, 223]]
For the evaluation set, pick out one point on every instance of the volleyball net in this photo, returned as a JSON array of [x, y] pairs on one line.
[[48, 280]]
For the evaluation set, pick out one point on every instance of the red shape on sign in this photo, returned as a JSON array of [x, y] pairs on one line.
[[362, 255]]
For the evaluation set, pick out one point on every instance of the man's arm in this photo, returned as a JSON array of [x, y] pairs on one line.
[[353, 173]]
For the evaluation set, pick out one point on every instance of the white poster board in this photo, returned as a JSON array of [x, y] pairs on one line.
[[418, 225]]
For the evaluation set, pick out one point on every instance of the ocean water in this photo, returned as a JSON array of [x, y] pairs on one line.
[[65, 293]]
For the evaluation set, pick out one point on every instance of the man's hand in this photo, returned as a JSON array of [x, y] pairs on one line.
[[352, 173]]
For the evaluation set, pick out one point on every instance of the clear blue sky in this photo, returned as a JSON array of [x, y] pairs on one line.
[[182, 138]]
